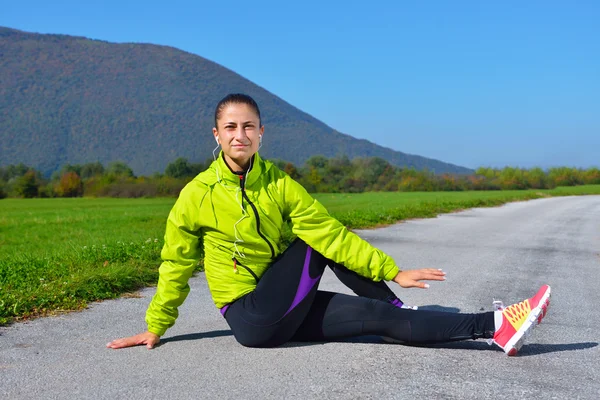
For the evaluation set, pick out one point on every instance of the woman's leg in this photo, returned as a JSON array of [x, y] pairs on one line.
[[271, 314], [334, 316], [286, 305], [365, 287]]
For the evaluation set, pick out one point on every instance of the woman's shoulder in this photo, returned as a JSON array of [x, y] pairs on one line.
[[271, 169], [196, 188]]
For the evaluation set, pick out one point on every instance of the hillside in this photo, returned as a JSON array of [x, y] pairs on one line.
[[66, 99]]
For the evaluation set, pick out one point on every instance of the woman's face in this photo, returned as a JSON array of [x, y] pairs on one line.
[[238, 132]]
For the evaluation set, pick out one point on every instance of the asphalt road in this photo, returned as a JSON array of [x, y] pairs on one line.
[[503, 253]]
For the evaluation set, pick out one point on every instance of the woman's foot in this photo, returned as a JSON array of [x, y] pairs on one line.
[[514, 323]]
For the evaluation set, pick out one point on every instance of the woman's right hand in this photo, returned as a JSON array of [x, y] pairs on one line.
[[148, 338], [413, 277]]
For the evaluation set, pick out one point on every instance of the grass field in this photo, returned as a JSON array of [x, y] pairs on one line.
[[59, 254]]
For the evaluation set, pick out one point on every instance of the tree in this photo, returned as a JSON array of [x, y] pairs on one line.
[[180, 168], [537, 179], [91, 169], [27, 185], [70, 185], [66, 168], [591, 176], [564, 176], [317, 162], [119, 168], [13, 171], [313, 177], [369, 169], [291, 171], [511, 178], [487, 172], [336, 170]]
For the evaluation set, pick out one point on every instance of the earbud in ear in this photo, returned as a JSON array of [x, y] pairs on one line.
[[217, 139]]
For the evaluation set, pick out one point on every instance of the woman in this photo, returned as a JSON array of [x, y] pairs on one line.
[[237, 208]]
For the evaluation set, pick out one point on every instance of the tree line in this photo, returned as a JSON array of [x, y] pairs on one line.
[[318, 175]]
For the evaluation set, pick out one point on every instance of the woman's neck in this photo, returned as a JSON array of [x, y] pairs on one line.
[[237, 166]]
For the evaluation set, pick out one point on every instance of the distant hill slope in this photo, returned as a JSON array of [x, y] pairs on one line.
[[66, 99]]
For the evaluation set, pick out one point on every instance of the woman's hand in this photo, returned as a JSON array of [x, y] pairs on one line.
[[148, 338], [411, 278]]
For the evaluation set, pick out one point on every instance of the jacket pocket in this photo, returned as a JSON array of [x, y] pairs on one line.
[[243, 267]]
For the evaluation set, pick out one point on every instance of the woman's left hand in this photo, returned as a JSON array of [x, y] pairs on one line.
[[412, 278]]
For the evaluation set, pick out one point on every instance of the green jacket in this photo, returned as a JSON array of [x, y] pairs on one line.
[[239, 221]]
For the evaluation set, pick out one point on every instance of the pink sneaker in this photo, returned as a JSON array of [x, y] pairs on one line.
[[515, 322]]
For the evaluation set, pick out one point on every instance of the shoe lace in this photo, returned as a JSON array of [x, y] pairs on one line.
[[498, 305], [517, 310]]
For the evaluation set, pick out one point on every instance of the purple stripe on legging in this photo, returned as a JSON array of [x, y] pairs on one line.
[[397, 303], [306, 282], [224, 310]]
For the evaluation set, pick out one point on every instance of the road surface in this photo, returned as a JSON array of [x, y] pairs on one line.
[[495, 253]]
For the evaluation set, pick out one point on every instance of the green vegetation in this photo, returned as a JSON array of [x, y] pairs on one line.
[[318, 175], [59, 254]]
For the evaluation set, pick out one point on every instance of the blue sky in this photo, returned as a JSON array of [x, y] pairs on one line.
[[469, 82]]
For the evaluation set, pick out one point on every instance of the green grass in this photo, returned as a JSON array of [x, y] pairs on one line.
[[60, 254]]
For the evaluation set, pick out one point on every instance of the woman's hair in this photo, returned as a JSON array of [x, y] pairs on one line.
[[236, 98]]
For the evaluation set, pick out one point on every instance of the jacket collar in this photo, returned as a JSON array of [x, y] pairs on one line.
[[225, 173]]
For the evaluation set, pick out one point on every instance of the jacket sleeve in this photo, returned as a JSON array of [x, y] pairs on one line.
[[312, 223], [180, 255]]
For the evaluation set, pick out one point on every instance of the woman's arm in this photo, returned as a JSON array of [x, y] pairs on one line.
[[180, 255], [312, 223]]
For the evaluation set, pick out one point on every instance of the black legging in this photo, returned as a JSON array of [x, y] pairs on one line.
[[286, 306]]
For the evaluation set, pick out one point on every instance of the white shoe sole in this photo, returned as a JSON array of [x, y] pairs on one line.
[[533, 319]]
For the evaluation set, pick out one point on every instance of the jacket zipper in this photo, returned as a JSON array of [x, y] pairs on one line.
[[245, 196], [237, 264]]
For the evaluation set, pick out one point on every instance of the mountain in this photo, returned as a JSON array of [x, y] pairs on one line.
[[66, 99]]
